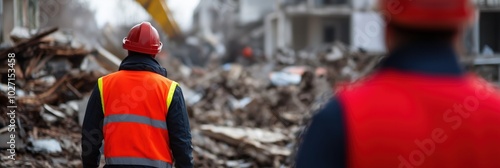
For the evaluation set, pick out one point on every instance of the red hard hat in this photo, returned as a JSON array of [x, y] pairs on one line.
[[247, 52], [428, 13], [143, 38]]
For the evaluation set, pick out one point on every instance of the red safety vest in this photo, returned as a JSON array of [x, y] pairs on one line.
[[135, 105], [406, 120]]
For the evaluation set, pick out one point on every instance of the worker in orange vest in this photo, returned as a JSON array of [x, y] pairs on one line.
[[420, 109], [138, 112]]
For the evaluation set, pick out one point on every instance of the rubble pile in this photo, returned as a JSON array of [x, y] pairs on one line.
[[253, 116], [53, 73], [241, 116]]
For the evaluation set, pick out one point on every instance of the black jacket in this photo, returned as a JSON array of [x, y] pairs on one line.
[[177, 120]]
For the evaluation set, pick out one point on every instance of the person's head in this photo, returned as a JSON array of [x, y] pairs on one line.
[[430, 21], [143, 39]]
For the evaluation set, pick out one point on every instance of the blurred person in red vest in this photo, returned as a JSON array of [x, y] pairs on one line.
[[138, 112], [420, 109]]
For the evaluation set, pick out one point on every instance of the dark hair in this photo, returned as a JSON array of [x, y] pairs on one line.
[[409, 34]]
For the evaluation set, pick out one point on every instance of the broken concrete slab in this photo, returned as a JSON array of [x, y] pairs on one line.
[[46, 146]]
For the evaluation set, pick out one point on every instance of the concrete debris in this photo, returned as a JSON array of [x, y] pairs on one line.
[[286, 56], [19, 33], [335, 55], [185, 71], [238, 163], [291, 75], [238, 135], [90, 64], [53, 72], [242, 114], [57, 113], [250, 115], [190, 96], [69, 108], [48, 118], [46, 146], [82, 106], [284, 78], [239, 104], [47, 80]]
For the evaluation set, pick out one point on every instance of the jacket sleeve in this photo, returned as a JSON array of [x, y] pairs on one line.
[[179, 131], [324, 144], [92, 135]]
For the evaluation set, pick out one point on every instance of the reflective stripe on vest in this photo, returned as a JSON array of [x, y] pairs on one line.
[[171, 93], [135, 161], [136, 119], [99, 84]]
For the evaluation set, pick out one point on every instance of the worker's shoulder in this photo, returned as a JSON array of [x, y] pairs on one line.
[[163, 78], [160, 79], [330, 116], [331, 107], [110, 74], [363, 85]]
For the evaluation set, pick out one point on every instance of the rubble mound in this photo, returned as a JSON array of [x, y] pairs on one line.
[[241, 116]]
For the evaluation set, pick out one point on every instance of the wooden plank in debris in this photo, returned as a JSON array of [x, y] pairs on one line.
[[32, 64], [74, 90], [45, 97], [65, 51]]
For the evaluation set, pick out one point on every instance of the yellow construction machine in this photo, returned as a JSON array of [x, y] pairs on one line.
[[159, 11]]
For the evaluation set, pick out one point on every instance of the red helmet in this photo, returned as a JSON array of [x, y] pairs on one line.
[[428, 13], [143, 38], [247, 52]]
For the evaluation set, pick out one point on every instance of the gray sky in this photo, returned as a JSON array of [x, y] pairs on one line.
[[128, 12]]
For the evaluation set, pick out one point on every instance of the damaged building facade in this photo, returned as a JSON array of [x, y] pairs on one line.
[[20, 13], [310, 25]]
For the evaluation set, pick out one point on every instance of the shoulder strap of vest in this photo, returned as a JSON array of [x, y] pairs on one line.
[[171, 91], [100, 85]]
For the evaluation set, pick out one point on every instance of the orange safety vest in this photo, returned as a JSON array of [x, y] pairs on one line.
[[405, 120], [135, 106]]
